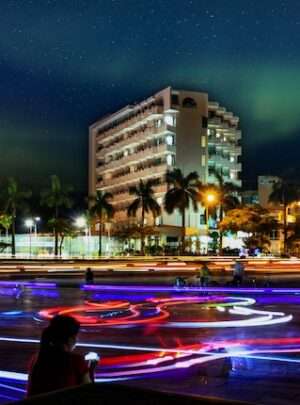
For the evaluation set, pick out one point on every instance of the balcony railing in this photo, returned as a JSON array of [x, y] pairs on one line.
[[152, 171], [152, 151], [126, 196], [140, 136], [131, 122], [224, 162]]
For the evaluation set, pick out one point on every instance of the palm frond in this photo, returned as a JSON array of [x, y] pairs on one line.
[[133, 207]]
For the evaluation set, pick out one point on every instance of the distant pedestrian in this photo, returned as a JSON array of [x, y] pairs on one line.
[[180, 282], [89, 276], [238, 273], [204, 275]]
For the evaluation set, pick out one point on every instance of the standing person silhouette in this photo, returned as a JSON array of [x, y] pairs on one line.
[[238, 273], [56, 366], [89, 276]]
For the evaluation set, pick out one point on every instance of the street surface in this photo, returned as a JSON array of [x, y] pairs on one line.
[[236, 344]]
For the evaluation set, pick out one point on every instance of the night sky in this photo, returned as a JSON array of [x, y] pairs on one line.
[[66, 63]]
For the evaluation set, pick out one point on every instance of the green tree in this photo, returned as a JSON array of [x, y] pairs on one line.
[[100, 209], [183, 191], [15, 199], [284, 193], [56, 197], [145, 201], [254, 220], [226, 199], [293, 240], [5, 221]]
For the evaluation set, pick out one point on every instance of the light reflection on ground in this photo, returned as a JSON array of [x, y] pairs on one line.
[[157, 333]]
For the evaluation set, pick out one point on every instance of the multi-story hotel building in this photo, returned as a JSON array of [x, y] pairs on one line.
[[172, 128]]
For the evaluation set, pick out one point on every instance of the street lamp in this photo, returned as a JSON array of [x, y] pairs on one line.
[[36, 221], [82, 223], [210, 198], [29, 223]]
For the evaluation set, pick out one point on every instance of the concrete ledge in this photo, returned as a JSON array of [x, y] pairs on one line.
[[111, 394]]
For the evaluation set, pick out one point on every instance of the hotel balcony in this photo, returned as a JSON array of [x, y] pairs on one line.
[[135, 139], [131, 123], [152, 151], [226, 178], [153, 171], [224, 162], [127, 197]]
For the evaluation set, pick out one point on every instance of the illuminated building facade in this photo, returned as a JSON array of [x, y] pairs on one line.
[[172, 128]]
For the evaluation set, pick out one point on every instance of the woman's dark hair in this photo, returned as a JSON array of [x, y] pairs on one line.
[[60, 329]]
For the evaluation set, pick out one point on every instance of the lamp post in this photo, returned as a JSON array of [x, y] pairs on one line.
[[81, 223], [108, 227], [36, 221], [29, 223], [210, 198]]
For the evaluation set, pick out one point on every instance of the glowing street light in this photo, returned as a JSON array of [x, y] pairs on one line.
[[81, 222], [36, 221], [29, 223], [210, 198]]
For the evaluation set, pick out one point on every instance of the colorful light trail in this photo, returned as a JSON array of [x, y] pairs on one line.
[[184, 329]]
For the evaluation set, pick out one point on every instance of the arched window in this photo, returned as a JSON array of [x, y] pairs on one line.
[[189, 102]]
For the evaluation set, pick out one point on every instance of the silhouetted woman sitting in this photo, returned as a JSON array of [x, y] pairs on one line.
[[56, 366]]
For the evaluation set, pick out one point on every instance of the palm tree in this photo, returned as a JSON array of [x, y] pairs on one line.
[[146, 202], [15, 199], [56, 197], [101, 208], [284, 193], [227, 200], [183, 191], [64, 228]]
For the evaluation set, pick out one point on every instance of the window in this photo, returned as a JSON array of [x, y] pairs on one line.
[[204, 122], [203, 141], [170, 160], [170, 140], [232, 159], [189, 102], [232, 175], [158, 123], [158, 221], [203, 160], [175, 99], [211, 170], [225, 171], [202, 219], [170, 120], [212, 149]]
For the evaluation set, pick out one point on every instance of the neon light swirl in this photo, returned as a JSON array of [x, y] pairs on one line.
[[120, 313]]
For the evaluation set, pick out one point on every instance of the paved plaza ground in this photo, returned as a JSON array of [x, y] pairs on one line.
[[233, 344]]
